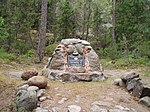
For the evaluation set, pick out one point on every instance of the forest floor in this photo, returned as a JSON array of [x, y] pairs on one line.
[[83, 94]]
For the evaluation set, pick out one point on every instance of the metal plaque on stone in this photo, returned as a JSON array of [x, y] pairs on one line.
[[77, 61]]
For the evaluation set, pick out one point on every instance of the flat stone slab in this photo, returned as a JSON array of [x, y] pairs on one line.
[[15, 73], [73, 77]]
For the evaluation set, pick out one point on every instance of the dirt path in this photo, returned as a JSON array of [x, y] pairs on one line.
[[83, 94]]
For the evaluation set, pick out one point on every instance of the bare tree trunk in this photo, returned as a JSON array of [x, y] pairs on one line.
[[88, 19], [87, 27], [84, 21], [54, 22], [114, 21], [42, 30]]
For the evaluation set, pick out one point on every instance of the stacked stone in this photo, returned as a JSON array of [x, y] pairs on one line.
[[136, 86], [31, 92], [58, 65], [75, 47]]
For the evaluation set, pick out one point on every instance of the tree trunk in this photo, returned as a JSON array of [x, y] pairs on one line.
[[114, 21], [42, 30], [88, 19], [54, 22]]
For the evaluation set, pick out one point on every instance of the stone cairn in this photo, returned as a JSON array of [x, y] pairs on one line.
[[74, 60]]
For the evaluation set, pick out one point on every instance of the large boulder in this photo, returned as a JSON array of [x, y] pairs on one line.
[[28, 74], [129, 76], [132, 83], [74, 77], [141, 90], [39, 81], [26, 101]]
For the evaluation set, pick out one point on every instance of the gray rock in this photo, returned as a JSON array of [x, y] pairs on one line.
[[146, 101], [119, 82], [96, 76], [69, 41], [64, 77], [43, 98], [117, 110], [33, 88], [22, 84], [79, 48], [39, 109], [146, 90], [102, 103], [129, 76], [70, 49], [56, 109], [78, 98], [39, 81], [141, 90], [74, 108], [58, 61], [15, 73], [20, 92], [62, 100], [93, 60], [122, 108], [40, 93], [27, 101], [23, 87], [138, 89], [84, 42], [132, 83], [96, 108]]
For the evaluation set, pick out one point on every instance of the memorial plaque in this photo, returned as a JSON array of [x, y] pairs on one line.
[[77, 61]]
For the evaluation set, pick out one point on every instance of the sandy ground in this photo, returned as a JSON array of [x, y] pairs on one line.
[[82, 94]]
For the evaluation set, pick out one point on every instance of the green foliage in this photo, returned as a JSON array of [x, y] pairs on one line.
[[65, 19], [124, 63], [19, 18], [6, 56], [132, 20], [112, 52], [50, 49], [31, 53], [3, 31], [142, 50]]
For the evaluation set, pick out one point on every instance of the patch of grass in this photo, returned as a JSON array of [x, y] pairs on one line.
[[5, 82], [147, 72], [6, 57], [125, 63]]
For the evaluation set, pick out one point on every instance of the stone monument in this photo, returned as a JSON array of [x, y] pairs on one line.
[[74, 60]]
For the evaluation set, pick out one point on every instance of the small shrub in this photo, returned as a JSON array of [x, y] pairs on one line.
[[50, 49], [4, 55], [31, 53], [142, 50], [112, 53], [121, 63], [139, 62]]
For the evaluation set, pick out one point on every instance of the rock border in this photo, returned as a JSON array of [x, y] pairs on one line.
[[134, 85]]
